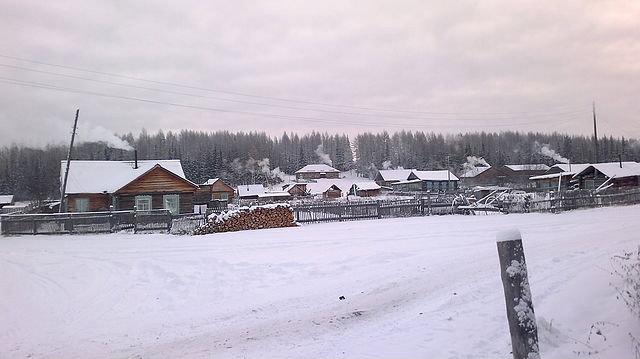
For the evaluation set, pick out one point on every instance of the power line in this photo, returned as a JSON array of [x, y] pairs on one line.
[[257, 114], [276, 105], [236, 93]]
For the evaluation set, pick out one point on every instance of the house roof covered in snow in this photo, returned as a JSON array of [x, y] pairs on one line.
[[394, 175], [247, 190], [6, 199], [613, 169], [439, 175], [321, 187], [211, 181], [528, 167], [320, 167], [573, 167], [474, 172], [110, 176], [367, 186]]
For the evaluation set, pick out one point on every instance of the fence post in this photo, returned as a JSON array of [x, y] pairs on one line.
[[517, 295], [378, 209]]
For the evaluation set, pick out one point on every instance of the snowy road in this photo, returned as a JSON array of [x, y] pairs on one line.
[[413, 287]]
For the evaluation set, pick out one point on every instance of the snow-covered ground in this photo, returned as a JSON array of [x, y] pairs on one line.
[[413, 287]]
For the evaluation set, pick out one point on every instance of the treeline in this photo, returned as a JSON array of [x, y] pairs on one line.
[[255, 157]]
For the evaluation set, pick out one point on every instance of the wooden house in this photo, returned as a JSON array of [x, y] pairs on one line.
[[324, 189], [365, 189], [558, 176], [126, 185], [608, 175], [316, 171], [296, 189], [215, 189], [516, 176], [422, 181], [386, 178], [259, 193]]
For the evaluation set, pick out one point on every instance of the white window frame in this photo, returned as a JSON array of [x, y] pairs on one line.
[[224, 196], [166, 205], [82, 204], [142, 201]]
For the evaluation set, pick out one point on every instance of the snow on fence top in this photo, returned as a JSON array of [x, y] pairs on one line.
[[321, 167], [109, 176]]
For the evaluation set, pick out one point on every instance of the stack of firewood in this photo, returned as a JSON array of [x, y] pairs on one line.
[[269, 216]]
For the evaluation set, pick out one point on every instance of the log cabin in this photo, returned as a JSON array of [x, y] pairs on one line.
[[608, 175], [95, 186], [365, 189], [423, 181], [214, 189], [386, 178], [316, 171]]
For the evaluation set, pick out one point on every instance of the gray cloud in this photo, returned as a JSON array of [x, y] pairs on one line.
[[466, 57]]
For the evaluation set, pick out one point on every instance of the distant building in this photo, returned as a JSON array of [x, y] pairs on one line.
[[608, 175], [125, 185], [516, 176], [386, 178], [215, 189], [324, 189], [296, 189], [422, 181], [259, 193], [558, 175], [316, 171], [365, 189], [6, 200]]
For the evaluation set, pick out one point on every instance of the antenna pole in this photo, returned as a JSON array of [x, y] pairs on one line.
[[595, 133], [66, 170]]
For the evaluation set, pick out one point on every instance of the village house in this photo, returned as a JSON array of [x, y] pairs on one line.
[[216, 189], [386, 178], [316, 171], [6, 200], [516, 176], [324, 189], [422, 181], [365, 189], [296, 189], [259, 193], [608, 175], [124, 185], [558, 176]]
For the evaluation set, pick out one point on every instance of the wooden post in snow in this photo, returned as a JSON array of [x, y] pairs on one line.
[[517, 295]]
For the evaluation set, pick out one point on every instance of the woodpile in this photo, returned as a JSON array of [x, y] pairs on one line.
[[267, 216]]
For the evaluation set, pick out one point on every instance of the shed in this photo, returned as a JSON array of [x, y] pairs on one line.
[[296, 189], [214, 189], [324, 189]]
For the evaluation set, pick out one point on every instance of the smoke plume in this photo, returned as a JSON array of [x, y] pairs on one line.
[[101, 134], [386, 165], [324, 158], [548, 152], [473, 162]]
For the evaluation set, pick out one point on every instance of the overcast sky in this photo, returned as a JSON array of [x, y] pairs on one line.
[[335, 66]]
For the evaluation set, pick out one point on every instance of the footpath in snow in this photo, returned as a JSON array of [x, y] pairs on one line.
[[412, 287]]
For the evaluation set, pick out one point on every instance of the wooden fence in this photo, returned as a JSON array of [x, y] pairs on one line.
[[585, 199], [349, 211], [95, 222]]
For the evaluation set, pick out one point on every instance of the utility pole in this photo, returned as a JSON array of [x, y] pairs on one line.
[[448, 174], [66, 170], [595, 134]]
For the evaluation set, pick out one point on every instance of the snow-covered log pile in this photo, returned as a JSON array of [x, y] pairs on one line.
[[244, 218]]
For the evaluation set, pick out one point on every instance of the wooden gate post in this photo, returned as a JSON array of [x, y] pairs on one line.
[[517, 295]]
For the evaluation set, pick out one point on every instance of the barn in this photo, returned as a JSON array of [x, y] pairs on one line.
[[324, 189], [296, 189], [124, 185], [316, 171]]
